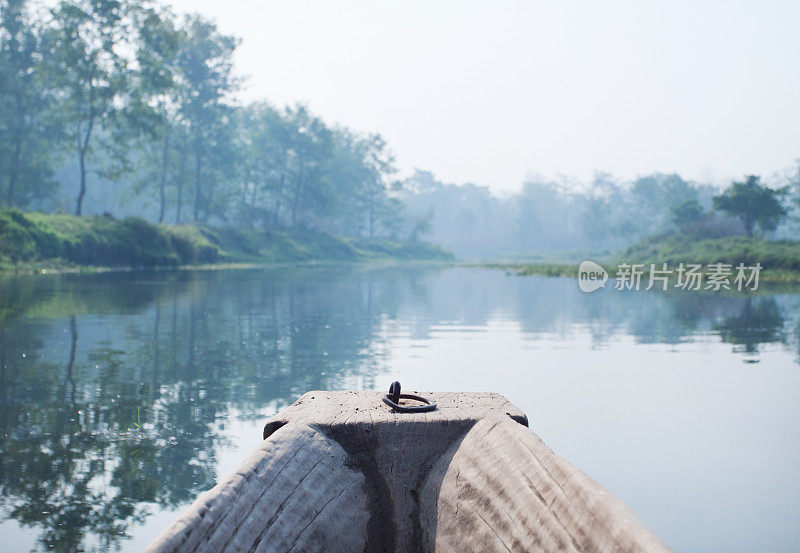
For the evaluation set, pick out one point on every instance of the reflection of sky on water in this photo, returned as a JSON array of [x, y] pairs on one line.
[[647, 392]]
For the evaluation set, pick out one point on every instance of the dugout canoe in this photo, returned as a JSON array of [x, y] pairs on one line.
[[343, 472]]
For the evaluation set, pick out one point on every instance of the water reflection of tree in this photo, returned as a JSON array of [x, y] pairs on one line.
[[53, 459], [74, 461], [673, 318], [655, 317], [759, 322]]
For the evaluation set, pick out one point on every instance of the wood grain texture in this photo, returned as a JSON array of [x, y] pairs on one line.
[[341, 472], [503, 490], [295, 493]]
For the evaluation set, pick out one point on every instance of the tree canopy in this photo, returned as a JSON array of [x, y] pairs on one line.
[[100, 91], [753, 203]]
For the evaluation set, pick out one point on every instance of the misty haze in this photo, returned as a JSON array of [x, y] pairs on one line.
[[209, 209]]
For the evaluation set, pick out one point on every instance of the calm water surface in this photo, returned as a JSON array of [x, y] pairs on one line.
[[122, 396]]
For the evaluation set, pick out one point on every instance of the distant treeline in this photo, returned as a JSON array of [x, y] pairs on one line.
[[557, 219], [126, 92]]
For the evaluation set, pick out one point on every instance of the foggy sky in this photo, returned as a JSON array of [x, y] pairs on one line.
[[486, 92]]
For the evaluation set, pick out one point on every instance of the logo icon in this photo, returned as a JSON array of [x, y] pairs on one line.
[[591, 276]]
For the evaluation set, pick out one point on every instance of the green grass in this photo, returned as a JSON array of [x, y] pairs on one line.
[[542, 269], [34, 241], [780, 259], [775, 256]]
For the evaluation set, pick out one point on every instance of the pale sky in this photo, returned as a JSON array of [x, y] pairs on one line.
[[487, 92]]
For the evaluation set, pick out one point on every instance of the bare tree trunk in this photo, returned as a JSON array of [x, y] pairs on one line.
[[748, 226], [12, 174], [253, 196], [181, 174], [82, 190], [163, 183], [371, 214], [297, 190], [197, 172], [83, 146], [251, 214], [279, 199]]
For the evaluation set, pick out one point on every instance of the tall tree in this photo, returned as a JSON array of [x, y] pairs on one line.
[[221, 168], [753, 203], [155, 105], [312, 143], [26, 130], [265, 157], [88, 38], [358, 177], [379, 163], [181, 144], [206, 67], [281, 152]]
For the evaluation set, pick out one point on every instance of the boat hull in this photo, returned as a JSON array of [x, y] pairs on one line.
[[340, 471]]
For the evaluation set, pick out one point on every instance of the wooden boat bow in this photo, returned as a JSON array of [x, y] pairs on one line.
[[341, 471]]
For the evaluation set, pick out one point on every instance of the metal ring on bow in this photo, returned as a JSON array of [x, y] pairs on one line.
[[392, 399]]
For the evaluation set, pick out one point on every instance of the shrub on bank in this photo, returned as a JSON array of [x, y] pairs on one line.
[[100, 241]]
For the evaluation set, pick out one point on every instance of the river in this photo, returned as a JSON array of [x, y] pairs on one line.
[[124, 395]]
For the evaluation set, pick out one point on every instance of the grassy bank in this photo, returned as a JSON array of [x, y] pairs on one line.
[[774, 256], [780, 259], [35, 241], [542, 269]]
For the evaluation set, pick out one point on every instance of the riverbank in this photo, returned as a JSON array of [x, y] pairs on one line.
[[36, 242], [780, 260]]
